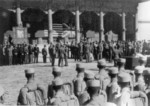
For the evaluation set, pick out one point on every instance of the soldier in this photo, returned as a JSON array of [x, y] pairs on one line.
[[36, 54], [124, 97], [79, 83], [53, 54], [81, 51], [60, 98], [26, 54], [66, 49], [32, 93], [50, 52], [30, 48], [61, 56], [57, 74], [100, 51], [139, 79], [103, 74], [10, 54], [44, 53], [146, 74], [15, 55], [22, 54], [113, 87], [93, 90]]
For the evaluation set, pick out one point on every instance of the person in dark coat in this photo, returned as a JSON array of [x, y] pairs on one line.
[[53, 54], [36, 53], [15, 55], [81, 51], [100, 49], [66, 49], [44, 53]]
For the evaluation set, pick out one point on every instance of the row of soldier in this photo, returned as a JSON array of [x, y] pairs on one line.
[[113, 86]]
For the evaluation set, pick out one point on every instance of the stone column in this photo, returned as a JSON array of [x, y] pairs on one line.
[[136, 26], [77, 26], [18, 15], [123, 26], [50, 25], [101, 34]]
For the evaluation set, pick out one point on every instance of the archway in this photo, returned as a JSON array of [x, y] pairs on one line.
[[89, 21], [113, 22], [64, 16], [36, 18]]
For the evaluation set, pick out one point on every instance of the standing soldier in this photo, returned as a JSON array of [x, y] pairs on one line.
[[66, 54], [44, 53], [36, 54], [15, 55], [80, 51], [10, 54], [30, 53], [102, 75], [50, 52], [26, 53], [61, 56], [32, 93], [100, 51]]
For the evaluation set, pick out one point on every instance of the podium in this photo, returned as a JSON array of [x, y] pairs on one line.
[[131, 62]]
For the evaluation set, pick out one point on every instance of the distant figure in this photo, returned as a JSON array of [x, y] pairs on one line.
[[36, 54], [44, 53]]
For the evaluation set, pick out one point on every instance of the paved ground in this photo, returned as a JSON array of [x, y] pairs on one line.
[[12, 77]]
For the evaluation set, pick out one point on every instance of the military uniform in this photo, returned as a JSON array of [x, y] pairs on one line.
[[103, 75], [32, 93], [60, 98], [95, 98], [44, 53], [113, 87]]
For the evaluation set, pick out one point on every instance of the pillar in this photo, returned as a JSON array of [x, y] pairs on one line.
[[123, 26], [77, 26], [50, 25], [18, 15], [101, 35], [136, 27]]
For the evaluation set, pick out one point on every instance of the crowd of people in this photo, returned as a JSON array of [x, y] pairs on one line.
[[111, 86], [25, 54]]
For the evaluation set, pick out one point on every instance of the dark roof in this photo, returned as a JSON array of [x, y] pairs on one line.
[[83, 5]]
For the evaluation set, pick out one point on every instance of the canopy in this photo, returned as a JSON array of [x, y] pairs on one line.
[[72, 5]]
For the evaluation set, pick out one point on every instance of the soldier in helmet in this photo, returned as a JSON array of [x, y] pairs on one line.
[[32, 93], [93, 87], [113, 87], [103, 74], [60, 98]]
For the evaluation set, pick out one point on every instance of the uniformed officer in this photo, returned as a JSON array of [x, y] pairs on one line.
[[60, 98], [103, 74], [95, 98], [32, 93], [124, 97], [113, 87], [44, 53], [139, 79]]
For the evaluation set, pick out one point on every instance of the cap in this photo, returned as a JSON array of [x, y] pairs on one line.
[[89, 75], [124, 77], [146, 71], [102, 62], [122, 60], [29, 71], [113, 70], [93, 83], [139, 69], [56, 69], [58, 82], [2, 91]]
